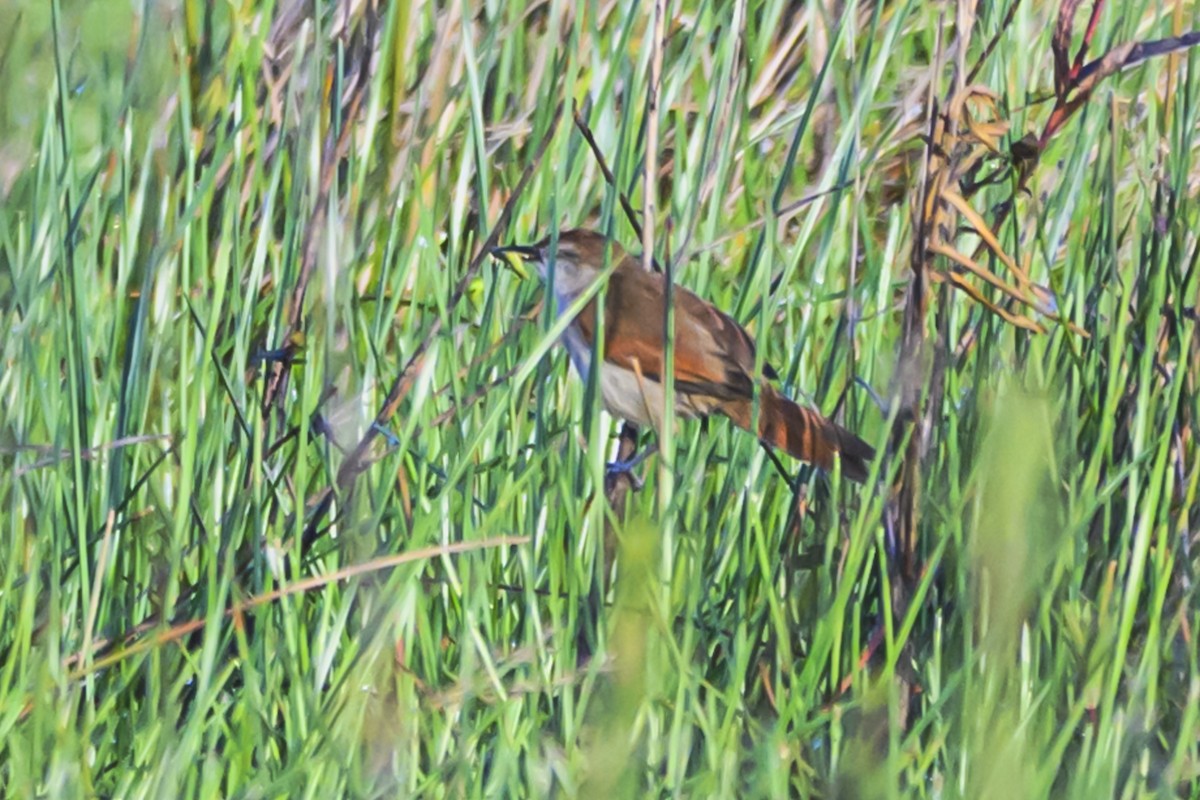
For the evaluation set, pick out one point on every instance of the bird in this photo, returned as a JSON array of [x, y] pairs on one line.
[[714, 364]]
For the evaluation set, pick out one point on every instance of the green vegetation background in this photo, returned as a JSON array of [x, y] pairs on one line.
[[169, 170]]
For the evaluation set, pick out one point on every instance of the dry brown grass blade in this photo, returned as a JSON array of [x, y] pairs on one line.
[[1025, 292], [980, 227], [973, 95], [977, 269], [988, 133], [1074, 81], [1060, 44], [783, 59], [1101, 68], [134, 645], [1019, 320], [965, 135], [1146, 50]]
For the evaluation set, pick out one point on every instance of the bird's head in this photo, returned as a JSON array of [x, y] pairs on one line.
[[579, 257]]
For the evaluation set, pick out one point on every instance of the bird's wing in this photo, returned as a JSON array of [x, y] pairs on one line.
[[714, 356]]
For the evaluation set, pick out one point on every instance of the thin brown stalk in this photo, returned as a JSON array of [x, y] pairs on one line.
[[177, 632]]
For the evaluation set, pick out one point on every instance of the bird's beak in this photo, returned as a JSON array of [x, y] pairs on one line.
[[515, 255]]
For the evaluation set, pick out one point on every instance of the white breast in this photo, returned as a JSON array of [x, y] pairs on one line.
[[625, 395]]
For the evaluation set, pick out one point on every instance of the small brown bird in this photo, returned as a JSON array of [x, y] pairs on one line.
[[714, 356]]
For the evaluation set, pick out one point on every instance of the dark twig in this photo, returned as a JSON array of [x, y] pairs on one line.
[[609, 178]]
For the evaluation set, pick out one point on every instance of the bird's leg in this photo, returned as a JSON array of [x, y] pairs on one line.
[[620, 472], [627, 466]]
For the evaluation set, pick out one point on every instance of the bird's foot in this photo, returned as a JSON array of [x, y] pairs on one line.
[[617, 470], [621, 471]]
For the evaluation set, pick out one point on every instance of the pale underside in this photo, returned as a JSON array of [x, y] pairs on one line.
[[626, 394]]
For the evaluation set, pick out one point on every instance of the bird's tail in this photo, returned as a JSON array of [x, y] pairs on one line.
[[804, 434]]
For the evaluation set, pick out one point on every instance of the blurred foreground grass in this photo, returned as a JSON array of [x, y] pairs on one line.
[[175, 413]]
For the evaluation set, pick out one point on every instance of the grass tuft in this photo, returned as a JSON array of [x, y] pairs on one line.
[[301, 499]]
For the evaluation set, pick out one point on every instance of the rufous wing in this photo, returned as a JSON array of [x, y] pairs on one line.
[[714, 356]]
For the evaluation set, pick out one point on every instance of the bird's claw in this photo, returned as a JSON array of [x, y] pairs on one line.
[[616, 470]]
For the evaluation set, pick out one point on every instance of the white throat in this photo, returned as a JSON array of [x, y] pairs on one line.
[[569, 280]]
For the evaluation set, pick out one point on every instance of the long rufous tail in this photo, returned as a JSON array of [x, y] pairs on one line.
[[804, 434]]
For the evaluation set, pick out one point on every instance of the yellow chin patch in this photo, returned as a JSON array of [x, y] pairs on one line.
[[514, 262]]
